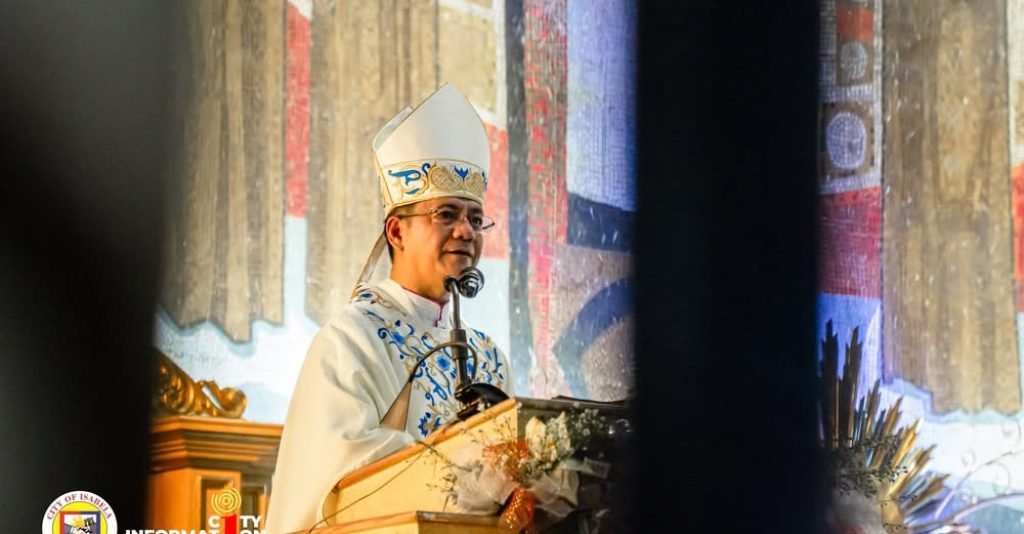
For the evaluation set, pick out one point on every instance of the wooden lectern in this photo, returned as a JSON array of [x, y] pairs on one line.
[[401, 493], [192, 458], [200, 447]]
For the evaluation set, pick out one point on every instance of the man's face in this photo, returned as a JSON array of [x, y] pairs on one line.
[[436, 249]]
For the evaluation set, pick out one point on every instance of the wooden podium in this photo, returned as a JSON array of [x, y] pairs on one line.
[[193, 458], [418, 523], [400, 493], [199, 446]]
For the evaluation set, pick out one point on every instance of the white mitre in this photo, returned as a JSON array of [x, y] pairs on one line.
[[439, 149]]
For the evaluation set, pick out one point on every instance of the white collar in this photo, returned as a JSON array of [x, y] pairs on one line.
[[420, 307]]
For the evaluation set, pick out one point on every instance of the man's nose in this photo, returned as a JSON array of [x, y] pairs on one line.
[[463, 229]]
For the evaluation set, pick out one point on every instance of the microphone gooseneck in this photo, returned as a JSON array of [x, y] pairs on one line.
[[469, 283], [473, 397]]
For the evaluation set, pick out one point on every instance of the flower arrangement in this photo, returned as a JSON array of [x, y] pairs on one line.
[[550, 469]]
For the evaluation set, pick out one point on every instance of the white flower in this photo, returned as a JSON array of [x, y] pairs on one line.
[[558, 430], [468, 456], [536, 437]]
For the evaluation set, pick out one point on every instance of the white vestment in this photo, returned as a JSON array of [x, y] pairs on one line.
[[354, 370]]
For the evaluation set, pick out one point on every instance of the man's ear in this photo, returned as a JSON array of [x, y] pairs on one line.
[[393, 232]]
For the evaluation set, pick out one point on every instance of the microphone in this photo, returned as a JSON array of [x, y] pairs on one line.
[[473, 397], [468, 284]]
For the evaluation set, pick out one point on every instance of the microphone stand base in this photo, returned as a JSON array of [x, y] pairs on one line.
[[476, 398]]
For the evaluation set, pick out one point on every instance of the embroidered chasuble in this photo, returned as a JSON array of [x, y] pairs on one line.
[[354, 370]]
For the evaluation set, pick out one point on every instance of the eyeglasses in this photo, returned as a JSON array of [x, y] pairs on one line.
[[448, 217]]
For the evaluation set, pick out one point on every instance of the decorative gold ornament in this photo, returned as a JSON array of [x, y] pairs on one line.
[[178, 394], [872, 457], [443, 178], [475, 184], [871, 454]]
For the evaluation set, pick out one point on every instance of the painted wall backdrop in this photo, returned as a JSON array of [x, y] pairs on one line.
[[922, 222], [280, 203]]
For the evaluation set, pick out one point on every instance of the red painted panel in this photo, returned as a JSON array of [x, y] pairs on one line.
[[496, 200], [1017, 172], [545, 76], [851, 242], [855, 23], [297, 111]]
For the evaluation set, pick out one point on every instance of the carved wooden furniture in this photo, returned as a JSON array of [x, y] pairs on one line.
[[203, 449]]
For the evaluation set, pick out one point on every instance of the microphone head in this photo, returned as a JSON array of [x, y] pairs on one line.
[[470, 282]]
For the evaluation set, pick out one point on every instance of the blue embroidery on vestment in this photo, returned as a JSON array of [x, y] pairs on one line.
[[434, 381]]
